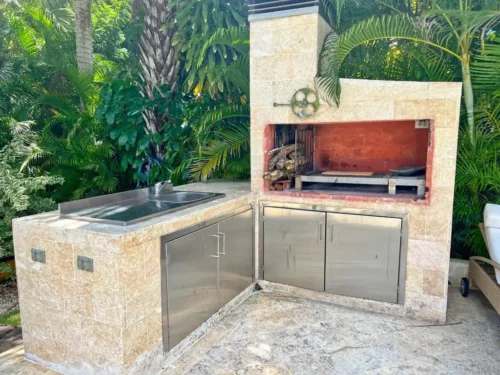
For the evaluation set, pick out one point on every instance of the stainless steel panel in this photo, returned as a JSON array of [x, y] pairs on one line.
[[192, 263], [353, 211], [363, 256], [183, 197], [377, 179], [132, 206], [294, 247], [259, 253], [181, 233], [236, 256]]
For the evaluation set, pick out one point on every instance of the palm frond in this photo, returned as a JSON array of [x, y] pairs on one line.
[[104, 69], [487, 116], [485, 68], [333, 11], [477, 183], [463, 23], [237, 38], [435, 63], [230, 143], [337, 47], [478, 165], [235, 76], [223, 112], [26, 37]]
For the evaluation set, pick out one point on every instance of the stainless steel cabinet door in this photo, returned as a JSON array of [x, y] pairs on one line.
[[191, 282], [362, 256], [294, 247], [236, 256]]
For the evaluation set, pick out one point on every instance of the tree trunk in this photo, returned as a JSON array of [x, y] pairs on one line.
[[158, 57], [468, 99], [83, 30]]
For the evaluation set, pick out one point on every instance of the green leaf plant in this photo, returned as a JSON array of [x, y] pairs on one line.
[[452, 27]]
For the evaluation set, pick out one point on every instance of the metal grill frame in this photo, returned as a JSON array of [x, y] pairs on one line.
[[284, 135], [356, 180], [374, 175], [382, 179], [264, 9], [306, 138]]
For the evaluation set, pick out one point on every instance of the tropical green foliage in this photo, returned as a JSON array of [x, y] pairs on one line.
[[223, 143], [207, 31], [450, 27], [90, 127], [110, 25], [122, 110], [477, 183], [51, 107], [222, 129], [21, 192]]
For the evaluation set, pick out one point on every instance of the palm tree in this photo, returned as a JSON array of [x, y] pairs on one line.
[[453, 28], [197, 22], [223, 133], [83, 31], [158, 57]]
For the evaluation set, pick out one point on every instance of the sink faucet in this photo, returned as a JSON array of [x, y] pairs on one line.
[[163, 187]]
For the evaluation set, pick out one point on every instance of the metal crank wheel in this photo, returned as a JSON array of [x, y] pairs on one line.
[[305, 103]]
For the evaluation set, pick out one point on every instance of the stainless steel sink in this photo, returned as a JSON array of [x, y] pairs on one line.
[[182, 197], [133, 206]]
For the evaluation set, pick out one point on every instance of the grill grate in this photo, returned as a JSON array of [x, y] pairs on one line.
[[375, 175]]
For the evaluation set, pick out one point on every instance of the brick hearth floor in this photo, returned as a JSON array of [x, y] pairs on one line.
[[275, 334]]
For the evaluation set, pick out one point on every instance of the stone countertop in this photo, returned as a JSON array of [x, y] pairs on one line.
[[236, 191]]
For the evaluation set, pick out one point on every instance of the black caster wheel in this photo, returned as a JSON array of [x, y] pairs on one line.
[[464, 287]]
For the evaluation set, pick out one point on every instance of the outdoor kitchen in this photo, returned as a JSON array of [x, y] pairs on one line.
[[349, 205]]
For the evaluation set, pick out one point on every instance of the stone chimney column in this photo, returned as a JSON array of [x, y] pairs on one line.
[[284, 55]]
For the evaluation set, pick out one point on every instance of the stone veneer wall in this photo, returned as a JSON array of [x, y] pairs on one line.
[[78, 322], [283, 58]]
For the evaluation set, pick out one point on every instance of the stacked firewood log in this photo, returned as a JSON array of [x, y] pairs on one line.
[[284, 162]]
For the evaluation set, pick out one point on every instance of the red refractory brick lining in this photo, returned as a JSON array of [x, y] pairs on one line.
[[364, 146], [370, 146]]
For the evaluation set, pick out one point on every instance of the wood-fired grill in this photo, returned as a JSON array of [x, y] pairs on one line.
[[292, 164]]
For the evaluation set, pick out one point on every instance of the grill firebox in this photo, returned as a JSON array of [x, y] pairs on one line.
[[306, 163]]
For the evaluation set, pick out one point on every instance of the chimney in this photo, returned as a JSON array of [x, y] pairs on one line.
[[286, 38]]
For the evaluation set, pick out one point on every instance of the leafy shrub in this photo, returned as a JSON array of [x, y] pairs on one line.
[[21, 193], [477, 183], [151, 157]]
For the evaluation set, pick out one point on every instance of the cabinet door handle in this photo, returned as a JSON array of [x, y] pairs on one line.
[[218, 253], [223, 252], [331, 232], [320, 231]]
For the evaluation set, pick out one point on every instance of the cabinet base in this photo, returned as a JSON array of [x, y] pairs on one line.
[[194, 336], [358, 303]]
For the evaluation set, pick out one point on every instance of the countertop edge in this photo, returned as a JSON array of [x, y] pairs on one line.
[[238, 194]]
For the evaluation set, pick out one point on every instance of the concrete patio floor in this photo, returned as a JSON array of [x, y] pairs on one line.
[[275, 334]]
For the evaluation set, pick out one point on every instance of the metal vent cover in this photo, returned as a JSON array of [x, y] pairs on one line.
[[262, 9]]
